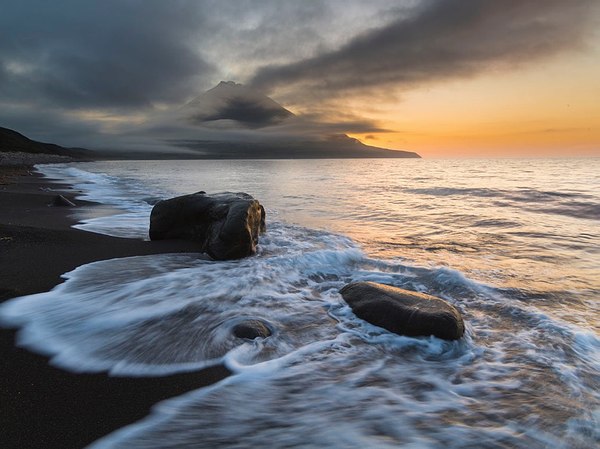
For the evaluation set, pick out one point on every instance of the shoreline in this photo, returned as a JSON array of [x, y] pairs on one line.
[[44, 406]]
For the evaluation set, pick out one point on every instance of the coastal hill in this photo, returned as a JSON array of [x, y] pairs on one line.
[[14, 142], [338, 146], [18, 150]]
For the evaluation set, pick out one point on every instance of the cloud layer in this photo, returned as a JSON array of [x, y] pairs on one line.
[[443, 39], [83, 67], [107, 54]]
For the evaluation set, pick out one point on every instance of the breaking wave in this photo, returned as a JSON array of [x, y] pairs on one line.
[[522, 377]]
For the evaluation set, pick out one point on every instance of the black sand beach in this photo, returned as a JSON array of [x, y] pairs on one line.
[[42, 406]]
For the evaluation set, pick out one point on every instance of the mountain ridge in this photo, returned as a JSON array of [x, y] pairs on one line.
[[351, 149], [229, 121], [13, 141]]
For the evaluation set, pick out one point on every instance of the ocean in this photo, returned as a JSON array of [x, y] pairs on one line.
[[514, 244]]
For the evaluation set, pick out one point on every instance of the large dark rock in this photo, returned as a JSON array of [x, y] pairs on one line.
[[402, 311], [226, 224]]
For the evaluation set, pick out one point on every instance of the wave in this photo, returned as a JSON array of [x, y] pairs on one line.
[[522, 377], [576, 205], [163, 314], [324, 377], [132, 201]]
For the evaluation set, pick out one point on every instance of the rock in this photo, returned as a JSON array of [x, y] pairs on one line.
[[227, 225], [251, 329], [402, 311], [61, 201]]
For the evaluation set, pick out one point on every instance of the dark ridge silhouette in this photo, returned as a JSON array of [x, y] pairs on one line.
[[338, 146], [12, 141]]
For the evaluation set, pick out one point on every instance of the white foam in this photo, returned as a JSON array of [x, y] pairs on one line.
[[130, 198], [343, 393], [158, 314], [324, 378]]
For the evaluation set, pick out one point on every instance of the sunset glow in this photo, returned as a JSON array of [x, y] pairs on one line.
[[548, 110], [451, 79]]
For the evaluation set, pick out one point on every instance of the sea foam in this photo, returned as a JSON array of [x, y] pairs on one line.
[[323, 377], [521, 377]]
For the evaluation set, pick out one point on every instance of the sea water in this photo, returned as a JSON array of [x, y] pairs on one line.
[[513, 244]]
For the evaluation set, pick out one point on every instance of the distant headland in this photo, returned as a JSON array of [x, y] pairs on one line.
[[229, 121]]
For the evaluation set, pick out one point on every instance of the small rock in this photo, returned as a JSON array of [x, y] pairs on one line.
[[251, 329], [61, 201]]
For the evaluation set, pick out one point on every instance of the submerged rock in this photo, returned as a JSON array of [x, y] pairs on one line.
[[61, 201], [251, 329], [404, 312], [226, 224]]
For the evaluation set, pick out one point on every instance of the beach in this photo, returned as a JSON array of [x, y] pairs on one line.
[[512, 248], [43, 406], [305, 225]]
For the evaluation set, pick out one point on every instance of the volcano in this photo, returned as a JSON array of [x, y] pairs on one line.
[[234, 121], [236, 103]]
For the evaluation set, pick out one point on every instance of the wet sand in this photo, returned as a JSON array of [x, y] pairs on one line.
[[43, 406]]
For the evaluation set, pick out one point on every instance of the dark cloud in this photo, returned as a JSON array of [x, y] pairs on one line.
[[234, 102], [248, 113], [90, 72], [46, 125], [445, 38], [99, 54], [318, 124]]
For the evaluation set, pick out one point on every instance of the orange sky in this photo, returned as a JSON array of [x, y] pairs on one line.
[[443, 78], [549, 109]]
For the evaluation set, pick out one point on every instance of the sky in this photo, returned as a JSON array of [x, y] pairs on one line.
[[444, 78]]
